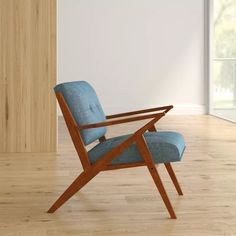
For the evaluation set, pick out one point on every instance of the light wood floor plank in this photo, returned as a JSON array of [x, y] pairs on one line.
[[125, 202]]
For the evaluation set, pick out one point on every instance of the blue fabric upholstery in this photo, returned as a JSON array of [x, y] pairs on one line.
[[85, 107], [165, 147]]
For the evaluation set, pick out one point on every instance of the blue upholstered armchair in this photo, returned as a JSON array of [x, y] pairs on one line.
[[87, 123]]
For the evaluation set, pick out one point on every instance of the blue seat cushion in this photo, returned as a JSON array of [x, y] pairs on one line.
[[164, 146]]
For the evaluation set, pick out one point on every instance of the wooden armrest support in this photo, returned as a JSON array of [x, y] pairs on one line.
[[149, 125], [165, 108], [121, 121]]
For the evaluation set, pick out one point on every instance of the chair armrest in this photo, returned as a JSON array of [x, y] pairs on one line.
[[121, 121], [166, 108]]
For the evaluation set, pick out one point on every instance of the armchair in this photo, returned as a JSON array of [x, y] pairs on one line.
[[87, 123]]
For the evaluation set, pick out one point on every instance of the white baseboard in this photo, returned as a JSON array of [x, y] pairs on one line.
[[177, 110], [189, 110]]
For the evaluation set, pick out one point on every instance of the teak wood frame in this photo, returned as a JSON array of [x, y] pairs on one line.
[[91, 170]]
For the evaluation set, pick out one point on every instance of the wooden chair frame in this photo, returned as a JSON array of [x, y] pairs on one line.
[[91, 170]]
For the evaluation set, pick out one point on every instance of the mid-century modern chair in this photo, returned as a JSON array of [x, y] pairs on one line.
[[87, 123]]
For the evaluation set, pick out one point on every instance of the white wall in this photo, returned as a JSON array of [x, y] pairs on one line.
[[136, 53]]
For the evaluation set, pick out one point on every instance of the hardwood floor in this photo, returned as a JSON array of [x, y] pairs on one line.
[[130, 203]]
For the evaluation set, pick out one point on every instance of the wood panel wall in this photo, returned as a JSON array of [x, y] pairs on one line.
[[27, 75]]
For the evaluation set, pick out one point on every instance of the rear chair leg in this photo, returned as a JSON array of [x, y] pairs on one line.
[[155, 175], [173, 178], [170, 169]]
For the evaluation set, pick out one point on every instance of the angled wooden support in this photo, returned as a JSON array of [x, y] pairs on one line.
[[100, 165], [155, 175], [89, 174]]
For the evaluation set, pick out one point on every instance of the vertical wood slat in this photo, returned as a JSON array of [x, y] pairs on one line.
[[27, 76]]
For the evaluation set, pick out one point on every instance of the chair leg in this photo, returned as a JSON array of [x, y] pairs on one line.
[[155, 175], [78, 183], [173, 178]]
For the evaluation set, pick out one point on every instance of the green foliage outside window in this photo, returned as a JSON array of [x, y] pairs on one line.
[[225, 52]]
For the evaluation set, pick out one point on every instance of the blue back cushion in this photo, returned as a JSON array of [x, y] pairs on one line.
[[83, 103]]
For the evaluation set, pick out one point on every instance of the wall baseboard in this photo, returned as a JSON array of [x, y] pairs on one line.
[[189, 110], [177, 110]]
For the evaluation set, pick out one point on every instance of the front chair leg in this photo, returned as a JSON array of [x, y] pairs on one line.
[[155, 175], [173, 178], [78, 183]]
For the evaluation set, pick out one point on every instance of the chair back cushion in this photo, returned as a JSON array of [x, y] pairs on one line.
[[85, 107]]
